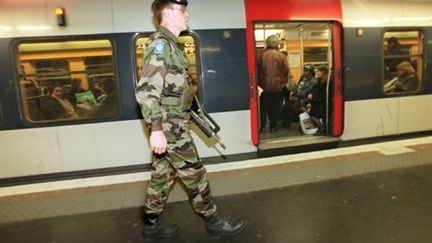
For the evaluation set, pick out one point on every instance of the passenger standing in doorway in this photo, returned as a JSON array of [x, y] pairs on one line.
[[318, 97], [165, 94], [272, 76]]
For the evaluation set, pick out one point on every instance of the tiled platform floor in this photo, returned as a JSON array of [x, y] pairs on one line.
[[381, 207]]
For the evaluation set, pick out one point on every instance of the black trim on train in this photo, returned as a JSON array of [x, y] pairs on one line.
[[22, 180]]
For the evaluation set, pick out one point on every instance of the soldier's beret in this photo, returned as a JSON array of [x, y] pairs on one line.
[[181, 2]]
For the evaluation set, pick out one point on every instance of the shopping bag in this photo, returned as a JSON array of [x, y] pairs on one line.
[[86, 97], [306, 124]]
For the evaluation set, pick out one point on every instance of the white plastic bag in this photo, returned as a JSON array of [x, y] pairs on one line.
[[306, 124]]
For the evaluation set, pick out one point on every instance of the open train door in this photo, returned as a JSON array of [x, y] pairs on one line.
[[310, 33], [338, 101]]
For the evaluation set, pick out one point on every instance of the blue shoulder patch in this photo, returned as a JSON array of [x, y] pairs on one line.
[[159, 47]]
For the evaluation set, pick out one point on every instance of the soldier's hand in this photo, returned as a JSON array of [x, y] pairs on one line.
[[158, 142]]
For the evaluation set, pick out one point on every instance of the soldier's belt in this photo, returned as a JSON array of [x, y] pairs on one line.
[[170, 100]]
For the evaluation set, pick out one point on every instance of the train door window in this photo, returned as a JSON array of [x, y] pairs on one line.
[[308, 47], [66, 80], [139, 52], [185, 42], [403, 61]]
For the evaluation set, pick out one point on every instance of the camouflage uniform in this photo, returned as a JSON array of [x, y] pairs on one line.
[[164, 94]]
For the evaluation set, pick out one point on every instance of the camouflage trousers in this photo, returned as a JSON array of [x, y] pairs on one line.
[[180, 160]]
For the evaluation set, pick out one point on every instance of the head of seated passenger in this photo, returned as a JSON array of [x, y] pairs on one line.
[[109, 100], [57, 92], [406, 79], [108, 85], [404, 69], [97, 89]]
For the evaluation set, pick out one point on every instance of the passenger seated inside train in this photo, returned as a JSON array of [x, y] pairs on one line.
[[107, 99], [315, 102], [83, 101], [75, 87], [394, 55], [56, 106], [98, 91], [318, 98], [406, 79], [300, 92]]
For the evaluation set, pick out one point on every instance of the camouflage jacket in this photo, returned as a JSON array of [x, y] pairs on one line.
[[164, 77]]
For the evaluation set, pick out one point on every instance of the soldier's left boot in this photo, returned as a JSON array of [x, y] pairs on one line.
[[152, 231], [218, 227]]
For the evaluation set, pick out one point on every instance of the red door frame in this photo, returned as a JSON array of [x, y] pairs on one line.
[[338, 101], [294, 10]]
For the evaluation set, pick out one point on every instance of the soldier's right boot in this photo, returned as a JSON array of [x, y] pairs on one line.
[[152, 231], [217, 226]]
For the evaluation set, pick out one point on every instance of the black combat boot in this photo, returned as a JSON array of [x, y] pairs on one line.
[[152, 231], [217, 226]]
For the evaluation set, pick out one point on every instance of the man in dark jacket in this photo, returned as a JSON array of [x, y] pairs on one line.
[[272, 77]]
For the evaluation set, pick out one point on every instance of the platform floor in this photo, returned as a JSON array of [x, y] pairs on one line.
[[366, 197]]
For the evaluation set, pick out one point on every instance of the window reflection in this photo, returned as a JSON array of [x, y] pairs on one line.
[[67, 80], [403, 61]]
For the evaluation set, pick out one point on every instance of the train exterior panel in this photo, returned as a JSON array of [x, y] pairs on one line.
[[37, 17], [369, 112], [351, 34], [119, 141]]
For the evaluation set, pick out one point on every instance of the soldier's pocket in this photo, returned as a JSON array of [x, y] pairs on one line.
[[187, 98]]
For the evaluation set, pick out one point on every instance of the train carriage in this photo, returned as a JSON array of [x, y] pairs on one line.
[[100, 43]]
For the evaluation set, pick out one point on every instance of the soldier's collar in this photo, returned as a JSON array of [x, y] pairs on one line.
[[168, 34]]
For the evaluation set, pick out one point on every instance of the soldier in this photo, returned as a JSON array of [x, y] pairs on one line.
[[164, 93]]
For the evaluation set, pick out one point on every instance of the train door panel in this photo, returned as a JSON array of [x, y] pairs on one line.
[[338, 101], [313, 52]]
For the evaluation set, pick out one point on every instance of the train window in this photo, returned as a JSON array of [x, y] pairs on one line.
[[62, 80], [185, 41], [315, 55], [139, 51], [403, 61]]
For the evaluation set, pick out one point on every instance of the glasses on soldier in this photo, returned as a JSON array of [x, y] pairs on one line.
[[183, 10]]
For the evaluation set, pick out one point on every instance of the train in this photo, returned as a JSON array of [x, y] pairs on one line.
[[44, 44]]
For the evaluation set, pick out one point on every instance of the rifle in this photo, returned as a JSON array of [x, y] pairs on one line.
[[205, 122]]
